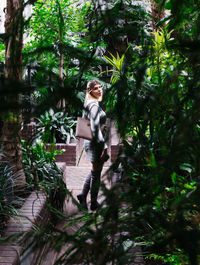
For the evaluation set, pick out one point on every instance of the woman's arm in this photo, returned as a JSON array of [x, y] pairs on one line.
[[95, 124], [96, 131]]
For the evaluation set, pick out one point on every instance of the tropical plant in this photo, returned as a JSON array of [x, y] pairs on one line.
[[175, 258], [43, 174], [163, 59], [9, 202], [56, 127], [54, 28], [117, 64], [37, 161], [169, 174], [55, 190], [2, 52]]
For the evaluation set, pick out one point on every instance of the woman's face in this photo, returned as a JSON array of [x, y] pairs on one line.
[[96, 91]]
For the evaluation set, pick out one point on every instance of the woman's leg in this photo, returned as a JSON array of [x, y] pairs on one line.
[[97, 166], [92, 182], [95, 184], [82, 197]]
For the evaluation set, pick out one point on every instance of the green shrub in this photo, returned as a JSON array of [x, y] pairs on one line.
[[56, 127], [9, 202], [42, 173]]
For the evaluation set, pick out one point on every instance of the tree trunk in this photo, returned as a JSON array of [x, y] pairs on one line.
[[10, 140], [157, 14], [14, 29], [61, 65], [61, 103]]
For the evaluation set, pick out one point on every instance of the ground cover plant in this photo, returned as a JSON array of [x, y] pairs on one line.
[[10, 202], [154, 98], [42, 174]]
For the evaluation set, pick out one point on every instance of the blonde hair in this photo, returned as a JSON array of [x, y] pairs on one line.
[[90, 86]]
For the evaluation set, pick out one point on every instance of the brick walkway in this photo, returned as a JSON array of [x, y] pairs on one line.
[[32, 212]]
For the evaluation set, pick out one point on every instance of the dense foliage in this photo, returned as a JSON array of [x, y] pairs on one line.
[[43, 174], [9, 201], [56, 127], [154, 98]]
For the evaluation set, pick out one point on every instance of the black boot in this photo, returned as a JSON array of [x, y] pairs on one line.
[[83, 195], [94, 189]]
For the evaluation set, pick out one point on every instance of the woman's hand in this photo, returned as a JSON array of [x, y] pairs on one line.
[[104, 156]]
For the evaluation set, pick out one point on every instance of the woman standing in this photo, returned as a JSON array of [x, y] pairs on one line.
[[96, 149]]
